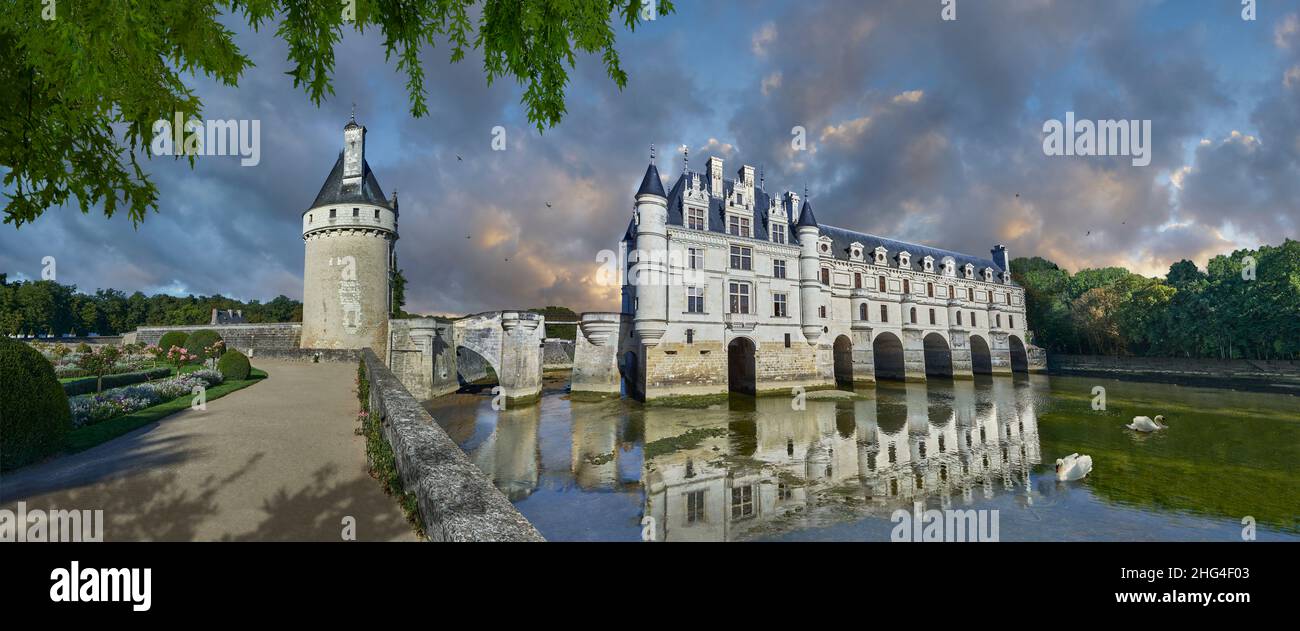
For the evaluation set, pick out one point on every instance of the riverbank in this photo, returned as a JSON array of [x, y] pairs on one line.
[[1277, 376]]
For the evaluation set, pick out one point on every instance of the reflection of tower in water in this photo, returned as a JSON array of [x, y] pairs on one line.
[[510, 456]]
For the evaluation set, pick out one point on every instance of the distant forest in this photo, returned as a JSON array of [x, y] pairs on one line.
[[1217, 313], [46, 307]]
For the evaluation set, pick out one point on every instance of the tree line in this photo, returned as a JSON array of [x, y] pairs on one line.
[[1243, 305], [45, 307]]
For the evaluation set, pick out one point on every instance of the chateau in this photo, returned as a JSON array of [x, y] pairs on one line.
[[732, 288]]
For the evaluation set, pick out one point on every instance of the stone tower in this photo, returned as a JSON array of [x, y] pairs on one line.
[[350, 233], [651, 319]]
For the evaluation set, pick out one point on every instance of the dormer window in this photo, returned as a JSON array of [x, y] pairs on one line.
[[988, 275], [970, 270], [778, 233], [695, 219], [882, 255], [929, 263], [904, 260], [855, 251], [1006, 277], [824, 245], [738, 226], [949, 266]]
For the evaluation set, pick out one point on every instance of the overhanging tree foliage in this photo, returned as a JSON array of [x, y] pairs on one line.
[[85, 80]]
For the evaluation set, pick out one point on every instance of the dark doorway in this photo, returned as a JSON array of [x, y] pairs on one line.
[[741, 367], [628, 368], [981, 358], [1019, 358], [887, 351], [843, 361], [938, 357]]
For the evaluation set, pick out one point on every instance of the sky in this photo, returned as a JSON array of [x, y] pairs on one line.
[[917, 128]]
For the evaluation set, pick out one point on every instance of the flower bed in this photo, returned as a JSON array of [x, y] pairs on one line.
[[91, 409]]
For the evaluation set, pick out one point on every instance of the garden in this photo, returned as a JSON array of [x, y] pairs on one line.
[[66, 398]]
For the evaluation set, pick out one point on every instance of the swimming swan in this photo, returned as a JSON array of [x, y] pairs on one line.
[[1073, 467], [1144, 424]]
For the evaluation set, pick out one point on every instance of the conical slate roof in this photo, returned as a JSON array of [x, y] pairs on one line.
[[334, 192], [806, 217], [651, 184]]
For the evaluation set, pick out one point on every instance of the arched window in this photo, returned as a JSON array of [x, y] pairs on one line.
[[881, 286], [913, 312], [862, 312], [884, 314]]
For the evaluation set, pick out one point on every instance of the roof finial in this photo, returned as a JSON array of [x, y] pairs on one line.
[[354, 111], [805, 191], [686, 159], [652, 153], [761, 177]]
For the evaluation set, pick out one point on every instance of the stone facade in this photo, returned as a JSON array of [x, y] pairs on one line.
[[717, 267]]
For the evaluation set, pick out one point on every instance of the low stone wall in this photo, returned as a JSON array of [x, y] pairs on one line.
[[557, 354], [456, 500], [1273, 375], [308, 355], [242, 337]]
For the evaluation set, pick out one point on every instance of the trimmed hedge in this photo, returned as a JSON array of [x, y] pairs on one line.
[[172, 338], [201, 339], [34, 414], [86, 385], [234, 365]]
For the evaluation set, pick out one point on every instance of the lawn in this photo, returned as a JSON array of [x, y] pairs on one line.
[[84, 438]]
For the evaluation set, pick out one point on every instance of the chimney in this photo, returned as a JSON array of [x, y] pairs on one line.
[[715, 176], [1000, 257], [746, 184]]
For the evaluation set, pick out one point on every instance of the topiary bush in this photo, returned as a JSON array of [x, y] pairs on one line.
[[170, 339], [199, 341], [234, 366], [34, 413]]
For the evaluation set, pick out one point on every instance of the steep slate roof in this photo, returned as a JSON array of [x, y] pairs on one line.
[[651, 184], [841, 238], [333, 191]]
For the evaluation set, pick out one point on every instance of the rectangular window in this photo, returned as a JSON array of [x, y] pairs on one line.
[[907, 286], [741, 257], [821, 311], [695, 507], [778, 305], [695, 219], [778, 233], [356, 212], [884, 314], [694, 258], [857, 280], [738, 225], [695, 300], [376, 213], [778, 268], [334, 213], [826, 276], [881, 285], [742, 502], [739, 295], [787, 340], [1011, 322]]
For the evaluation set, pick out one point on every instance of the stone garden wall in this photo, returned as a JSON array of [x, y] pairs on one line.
[[456, 500], [248, 339]]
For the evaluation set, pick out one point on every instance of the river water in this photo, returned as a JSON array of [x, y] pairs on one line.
[[839, 469]]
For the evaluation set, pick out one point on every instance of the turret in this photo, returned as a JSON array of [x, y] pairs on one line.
[[810, 291], [651, 316]]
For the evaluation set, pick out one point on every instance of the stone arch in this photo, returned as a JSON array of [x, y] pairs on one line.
[[473, 367], [938, 356], [981, 356], [510, 342], [1019, 357], [742, 367], [887, 350], [843, 353]]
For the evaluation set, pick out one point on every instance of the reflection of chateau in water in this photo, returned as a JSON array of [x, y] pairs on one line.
[[719, 474], [835, 462]]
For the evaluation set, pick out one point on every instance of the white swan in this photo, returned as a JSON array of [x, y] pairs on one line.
[[1144, 424], [1073, 467]]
